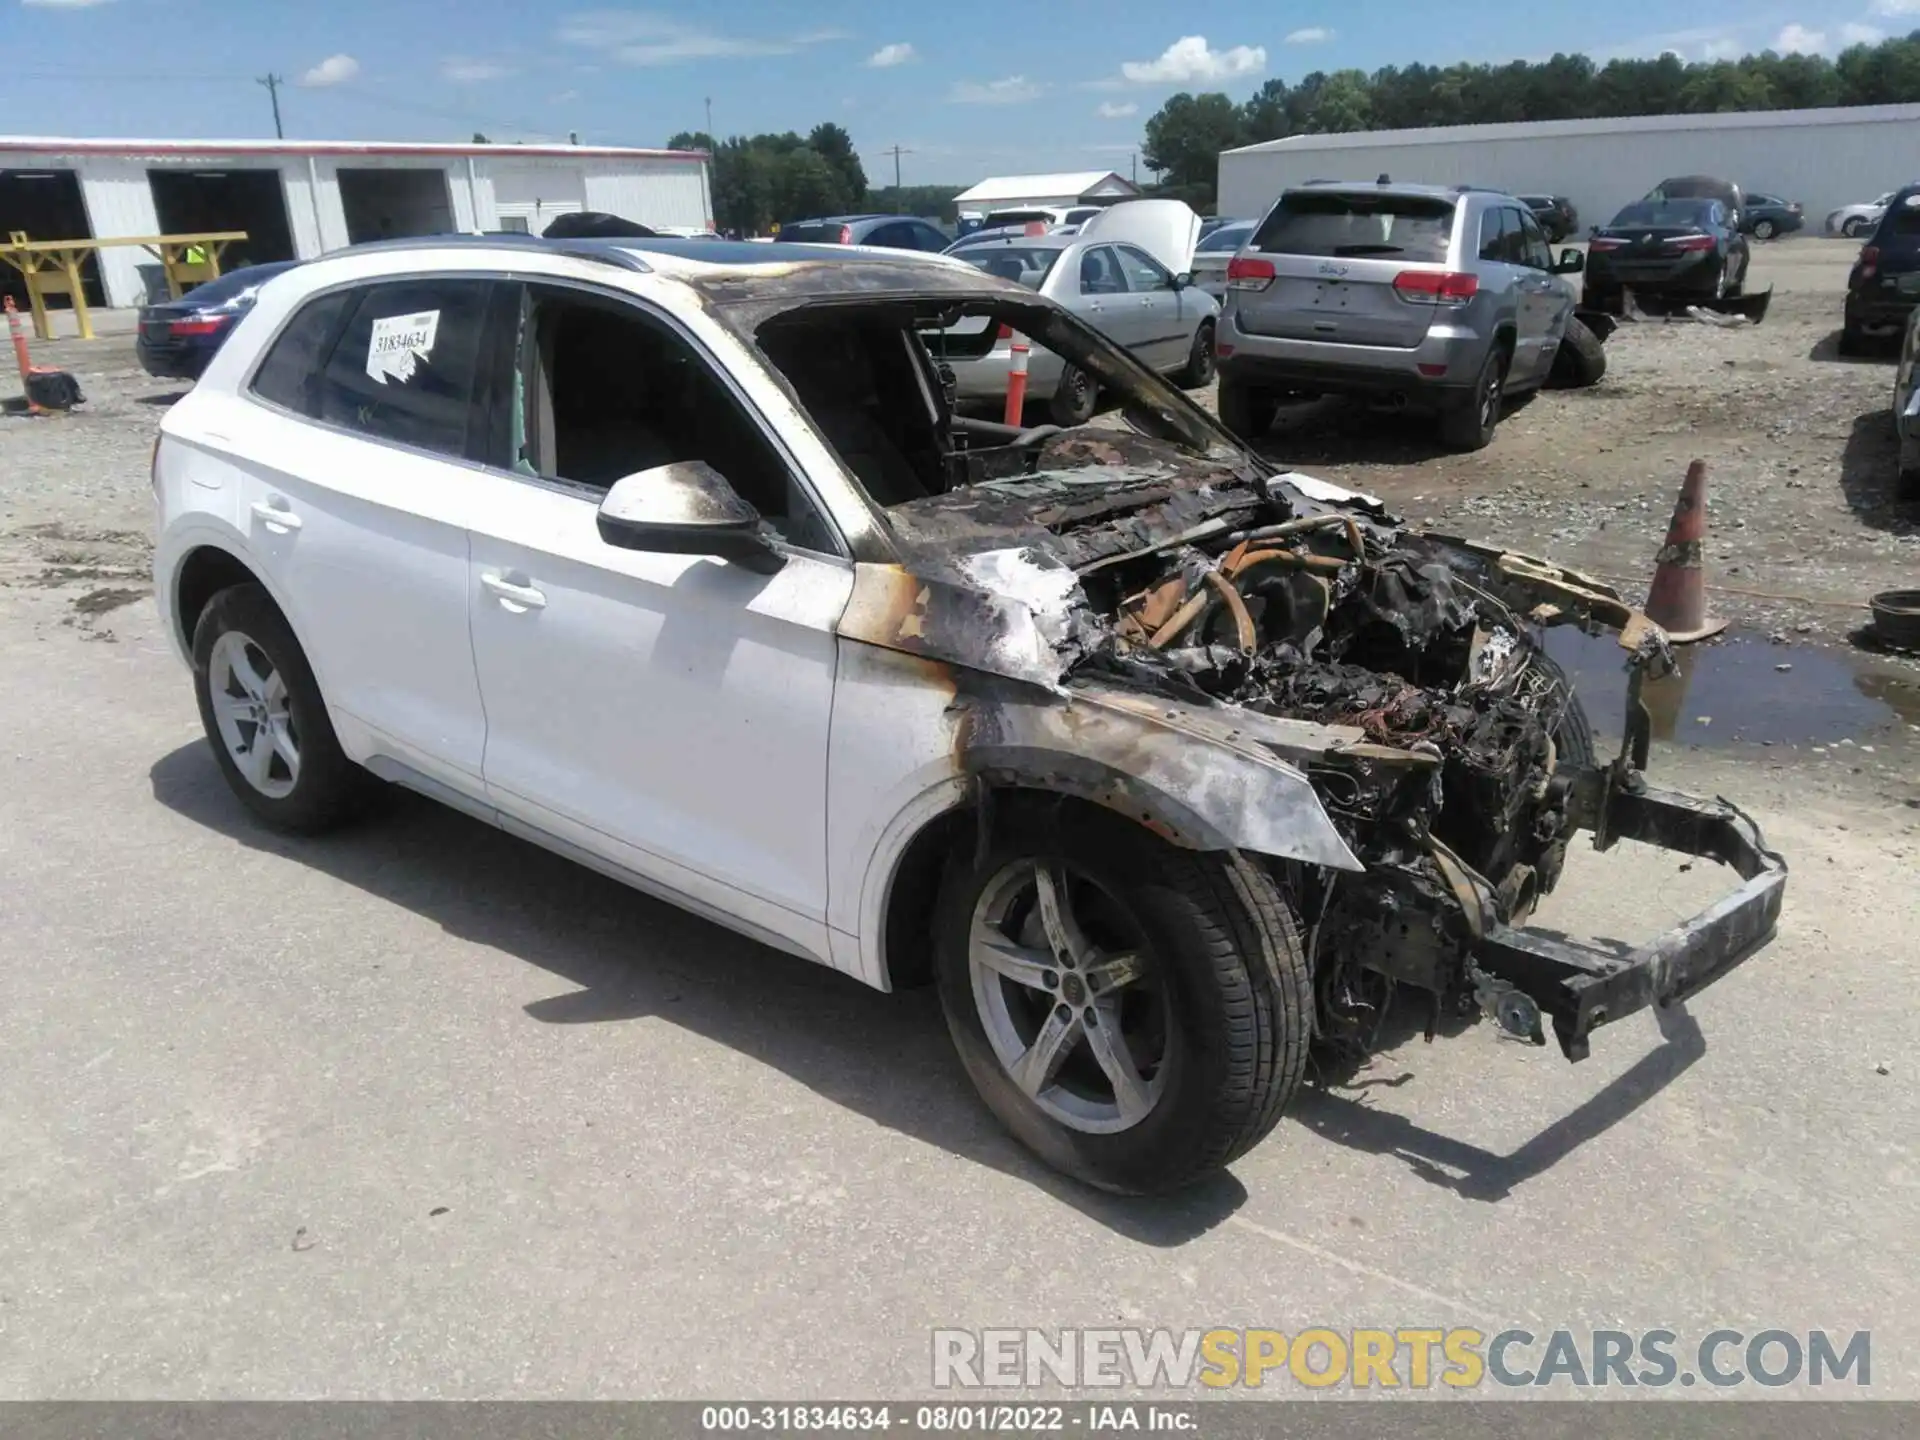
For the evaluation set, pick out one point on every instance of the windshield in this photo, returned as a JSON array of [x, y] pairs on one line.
[[813, 232], [1227, 237], [1027, 265], [1663, 215], [1357, 223], [881, 381]]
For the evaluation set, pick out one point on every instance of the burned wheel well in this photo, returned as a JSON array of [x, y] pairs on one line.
[[907, 953], [203, 575]]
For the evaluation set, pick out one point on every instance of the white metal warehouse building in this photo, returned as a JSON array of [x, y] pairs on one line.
[[1014, 192], [299, 199], [1822, 158]]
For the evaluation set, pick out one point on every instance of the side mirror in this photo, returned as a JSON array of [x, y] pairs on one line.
[[686, 508], [1183, 280], [1571, 262]]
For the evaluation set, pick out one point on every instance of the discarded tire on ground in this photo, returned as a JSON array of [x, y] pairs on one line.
[[1580, 361], [1896, 618]]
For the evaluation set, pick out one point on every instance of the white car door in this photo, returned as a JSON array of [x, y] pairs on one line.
[[353, 488], [664, 713], [1167, 314]]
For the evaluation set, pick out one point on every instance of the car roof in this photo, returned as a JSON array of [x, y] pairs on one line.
[[842, 219], [1395, 187]]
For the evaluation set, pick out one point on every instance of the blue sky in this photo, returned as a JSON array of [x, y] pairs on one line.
[[986, 87]]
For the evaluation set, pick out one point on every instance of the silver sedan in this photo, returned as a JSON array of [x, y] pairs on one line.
[[1114, 286]]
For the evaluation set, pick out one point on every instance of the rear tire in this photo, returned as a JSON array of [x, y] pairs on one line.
[[1199, 369], [1854, 228], [1580, 361], [1763, 230], [1246, 411], [266, 720], [1469, 424], [1852, 341], [1219, 964], [1074, 398]]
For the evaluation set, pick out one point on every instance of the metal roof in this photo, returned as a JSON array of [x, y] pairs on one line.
[[69, 145], [1025, 187], [1612, 125]]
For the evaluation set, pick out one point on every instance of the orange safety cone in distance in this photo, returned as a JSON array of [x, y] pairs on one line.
[[1677, 599]]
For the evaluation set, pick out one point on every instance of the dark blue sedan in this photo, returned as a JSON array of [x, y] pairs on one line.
[[179, 338]]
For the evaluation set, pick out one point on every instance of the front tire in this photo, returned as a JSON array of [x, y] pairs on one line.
[[1199, 369], [265, 718], [1764, 230], [1135, 1014], [1854, 228]]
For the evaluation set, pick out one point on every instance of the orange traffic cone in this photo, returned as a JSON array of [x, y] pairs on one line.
[[1677, 599]]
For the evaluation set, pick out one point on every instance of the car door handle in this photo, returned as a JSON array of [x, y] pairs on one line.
[[275, 514], [513, 595]]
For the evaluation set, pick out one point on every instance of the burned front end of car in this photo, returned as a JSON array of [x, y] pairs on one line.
[[1468, 769]]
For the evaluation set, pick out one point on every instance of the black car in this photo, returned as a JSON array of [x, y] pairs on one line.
[[1766, 216], [1674, 249], [1704, 187], [1884, 286], [894, 232], [177, 340], [1555, 213]]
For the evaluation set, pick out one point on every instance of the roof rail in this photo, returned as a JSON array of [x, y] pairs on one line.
[[603, 252]]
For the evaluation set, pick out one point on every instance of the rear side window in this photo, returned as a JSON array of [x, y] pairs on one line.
[[290, 374], [814, 233], [1227, 237], [1902, 220], [1500, 235], [1024, 266], [1358, 224], [407, 365]]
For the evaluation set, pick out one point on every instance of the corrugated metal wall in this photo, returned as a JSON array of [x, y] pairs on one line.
[[1822, 166], [654, 192], [119, 202]]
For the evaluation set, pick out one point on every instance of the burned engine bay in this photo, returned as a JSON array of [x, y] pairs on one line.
[[1294, 599]]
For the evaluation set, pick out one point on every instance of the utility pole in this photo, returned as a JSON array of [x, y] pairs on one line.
[[711, 137], [896, 152], [273, 84]]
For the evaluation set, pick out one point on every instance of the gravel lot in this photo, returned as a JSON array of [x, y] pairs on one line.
[[422, 1111]]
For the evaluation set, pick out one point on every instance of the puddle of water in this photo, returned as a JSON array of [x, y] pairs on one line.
[[1729, 691]]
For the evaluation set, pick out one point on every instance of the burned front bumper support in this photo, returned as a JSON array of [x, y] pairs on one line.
[[1582, 986]]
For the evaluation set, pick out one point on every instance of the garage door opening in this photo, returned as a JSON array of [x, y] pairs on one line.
[[386, 204], [46, 205], [195, 202]]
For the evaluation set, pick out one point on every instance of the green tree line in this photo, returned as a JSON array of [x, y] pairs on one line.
[[1185, 136], [762, 180]]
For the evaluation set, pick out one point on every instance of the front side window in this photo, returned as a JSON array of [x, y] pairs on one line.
[[407, 365], [1141, 271], [607, 390], [1534, 250]]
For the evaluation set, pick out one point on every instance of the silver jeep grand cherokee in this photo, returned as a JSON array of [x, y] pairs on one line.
[[1444, 298]]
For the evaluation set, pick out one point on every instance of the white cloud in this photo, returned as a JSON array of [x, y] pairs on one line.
[[464, 71], [1855, 33], [1797, 39], [888, 56], [1896, 7], [1312, 35], [334, 70], [1191, 59], [640, 38], [563, 97], [1014, 90], [1108, 110], [1704, 42]]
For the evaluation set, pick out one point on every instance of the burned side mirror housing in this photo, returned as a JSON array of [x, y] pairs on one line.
[[687, 508]]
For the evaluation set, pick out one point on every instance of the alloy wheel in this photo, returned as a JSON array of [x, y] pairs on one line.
[[1069, 996], [254, 714]]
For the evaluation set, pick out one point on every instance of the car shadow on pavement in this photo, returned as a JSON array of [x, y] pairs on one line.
[[1869, 471], [1878, 352], [629, 957], [1475, 1173]]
